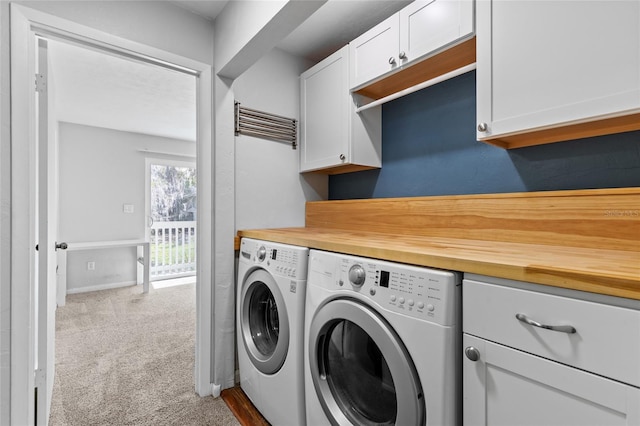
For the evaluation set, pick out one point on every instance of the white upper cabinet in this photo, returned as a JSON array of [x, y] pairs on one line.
[[418, 31], [375, 52], [333, 138], [428, 26], [544, 68]]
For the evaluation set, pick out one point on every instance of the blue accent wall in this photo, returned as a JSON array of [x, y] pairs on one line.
[[429, 147]]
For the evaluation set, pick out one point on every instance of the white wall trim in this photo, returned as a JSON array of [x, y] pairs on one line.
[[24, 23], [22, 210], [101, 287]]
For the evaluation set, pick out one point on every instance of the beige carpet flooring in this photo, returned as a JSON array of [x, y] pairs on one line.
[[127, 358]]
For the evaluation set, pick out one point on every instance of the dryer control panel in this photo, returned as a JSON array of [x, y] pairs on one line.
[[279, 259], [425, 293]]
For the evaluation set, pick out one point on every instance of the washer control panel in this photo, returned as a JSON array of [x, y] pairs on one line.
[[279, 259], [429, 294]]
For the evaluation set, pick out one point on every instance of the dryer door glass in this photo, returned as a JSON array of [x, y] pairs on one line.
[[358, 375], [361, 370]]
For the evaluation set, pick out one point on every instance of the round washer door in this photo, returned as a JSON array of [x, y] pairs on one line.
[[264, 322], [361, 371]]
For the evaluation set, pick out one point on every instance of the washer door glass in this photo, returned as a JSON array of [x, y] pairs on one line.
[[263, 319], [361, 371], [264, 323]]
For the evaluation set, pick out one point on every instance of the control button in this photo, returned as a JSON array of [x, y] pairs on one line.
[[420, 305], [410, 302], [340, 283], [293, 271], [430, 307], [401, 300], [393, 298], [372, 292]]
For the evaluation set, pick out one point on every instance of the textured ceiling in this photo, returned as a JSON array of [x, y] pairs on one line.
[[101, 90]]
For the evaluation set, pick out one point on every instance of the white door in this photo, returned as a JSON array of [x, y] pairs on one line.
[[505, 386], [430, 25], [325, 113], [46, 221], [375, 52], [542, 64]]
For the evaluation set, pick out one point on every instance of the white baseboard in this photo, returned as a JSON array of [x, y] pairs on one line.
[[100, 287]]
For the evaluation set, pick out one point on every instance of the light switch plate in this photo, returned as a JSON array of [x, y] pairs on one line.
[[127, 208]]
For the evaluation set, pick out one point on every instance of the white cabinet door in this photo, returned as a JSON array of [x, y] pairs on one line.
[[418, 31], [545, 64], [333, 137], [375, 52], [428, 26], [505, 386], [324, 121]]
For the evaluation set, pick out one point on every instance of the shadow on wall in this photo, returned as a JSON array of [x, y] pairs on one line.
[[429, 147]]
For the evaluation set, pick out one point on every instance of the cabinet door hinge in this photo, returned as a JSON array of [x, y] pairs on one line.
[[41, 83], [39, 378]]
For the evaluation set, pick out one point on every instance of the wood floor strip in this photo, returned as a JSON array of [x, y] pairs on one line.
[[242, 408]]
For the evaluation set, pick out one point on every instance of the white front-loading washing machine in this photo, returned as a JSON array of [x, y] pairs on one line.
[[270, 319], [382, 343]]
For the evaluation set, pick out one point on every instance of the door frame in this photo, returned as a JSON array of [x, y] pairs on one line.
[[25, 24]]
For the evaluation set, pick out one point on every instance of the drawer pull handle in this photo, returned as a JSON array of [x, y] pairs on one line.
[[561, 328]]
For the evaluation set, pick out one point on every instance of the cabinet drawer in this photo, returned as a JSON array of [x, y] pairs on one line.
[[606, 340]]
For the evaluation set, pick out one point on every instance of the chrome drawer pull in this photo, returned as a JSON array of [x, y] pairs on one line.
[[561, 328]]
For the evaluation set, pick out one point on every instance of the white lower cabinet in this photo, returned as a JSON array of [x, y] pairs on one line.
[[520, 372]]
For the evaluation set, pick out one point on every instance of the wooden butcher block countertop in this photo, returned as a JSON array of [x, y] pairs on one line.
[[586, 240]]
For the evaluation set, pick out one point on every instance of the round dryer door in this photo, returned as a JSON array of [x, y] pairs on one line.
[[361, 371], [264, 322]]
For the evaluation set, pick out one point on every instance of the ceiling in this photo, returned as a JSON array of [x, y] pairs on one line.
[[103, 90]]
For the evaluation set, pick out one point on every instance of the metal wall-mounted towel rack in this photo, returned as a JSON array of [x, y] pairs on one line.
[[265, 125]]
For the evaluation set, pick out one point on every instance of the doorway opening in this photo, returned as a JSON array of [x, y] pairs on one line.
[[172, 219], [26, 26]]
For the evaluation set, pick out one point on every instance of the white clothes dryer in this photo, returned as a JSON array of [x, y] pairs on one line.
[[270, 318], [382, 343]]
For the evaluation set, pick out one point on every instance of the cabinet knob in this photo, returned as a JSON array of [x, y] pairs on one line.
[[342, 157], [482, 127], [402, 55], [392, 60], [472, 353]]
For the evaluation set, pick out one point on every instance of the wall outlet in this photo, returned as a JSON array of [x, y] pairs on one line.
[[127, 208], [91, 266]]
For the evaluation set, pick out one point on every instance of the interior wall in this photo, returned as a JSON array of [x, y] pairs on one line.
[[270, 191], [241, 57], [159, 27], [100, 171], [240, 22], [429, 147], [158, 24]]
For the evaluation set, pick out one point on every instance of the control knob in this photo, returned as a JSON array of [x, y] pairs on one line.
[[357, 275], [262, 253]]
